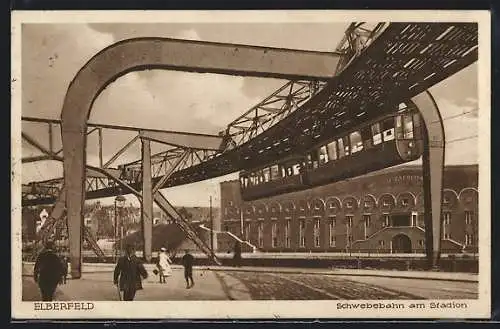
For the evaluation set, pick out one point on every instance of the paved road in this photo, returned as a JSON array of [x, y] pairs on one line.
[[245, 285]]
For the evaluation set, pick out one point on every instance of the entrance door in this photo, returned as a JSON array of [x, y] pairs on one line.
[[401, 243]]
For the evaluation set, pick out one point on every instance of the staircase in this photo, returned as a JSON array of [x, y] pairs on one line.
[[87, 235], [386, 234], [226, 240]]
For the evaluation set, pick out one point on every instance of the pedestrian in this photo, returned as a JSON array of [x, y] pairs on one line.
[[187, 262], [237, 254], [129, 272], [48, 271], [163, 265]]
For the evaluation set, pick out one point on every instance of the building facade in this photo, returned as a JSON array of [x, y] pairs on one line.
[[378, 212]]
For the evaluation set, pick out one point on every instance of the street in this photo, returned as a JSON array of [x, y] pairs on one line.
[[225, 284]]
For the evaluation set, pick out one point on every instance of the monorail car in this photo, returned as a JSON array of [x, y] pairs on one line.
[[385, 142]]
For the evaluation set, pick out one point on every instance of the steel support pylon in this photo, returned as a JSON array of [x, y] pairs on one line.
[[432, 169], [147, 200]]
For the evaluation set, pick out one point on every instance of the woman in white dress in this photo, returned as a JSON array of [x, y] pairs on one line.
[[164, 265]]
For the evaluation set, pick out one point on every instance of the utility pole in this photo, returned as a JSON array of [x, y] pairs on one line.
[[211, 228]]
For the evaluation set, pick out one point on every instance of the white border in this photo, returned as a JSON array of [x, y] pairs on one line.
[[254, 309]]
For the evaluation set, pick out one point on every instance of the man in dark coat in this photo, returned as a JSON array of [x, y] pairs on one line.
[[48, 271], [187, 262], [129, 272], [237, 254]]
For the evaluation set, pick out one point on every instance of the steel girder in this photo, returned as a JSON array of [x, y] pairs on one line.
[[158, 53]]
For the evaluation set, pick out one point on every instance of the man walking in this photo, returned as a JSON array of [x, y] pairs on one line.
[[48, 271], [237, 254], [187, 262], [129, 272]]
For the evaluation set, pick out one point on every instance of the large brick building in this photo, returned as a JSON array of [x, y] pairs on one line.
[[378, 212]]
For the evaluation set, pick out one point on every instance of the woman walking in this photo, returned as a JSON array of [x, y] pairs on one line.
[[164, 265]]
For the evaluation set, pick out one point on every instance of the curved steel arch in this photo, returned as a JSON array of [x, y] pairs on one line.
[[160, 53]]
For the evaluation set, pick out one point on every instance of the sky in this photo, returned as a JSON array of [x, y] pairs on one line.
[[202, 103]]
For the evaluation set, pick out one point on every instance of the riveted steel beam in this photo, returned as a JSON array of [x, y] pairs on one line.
[[192, 141], [433, 168], [147, 199]]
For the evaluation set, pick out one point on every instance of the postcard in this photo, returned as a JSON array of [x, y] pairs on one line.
[[250, 164]]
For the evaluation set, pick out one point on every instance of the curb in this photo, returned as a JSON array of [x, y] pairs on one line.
[[339, 274]]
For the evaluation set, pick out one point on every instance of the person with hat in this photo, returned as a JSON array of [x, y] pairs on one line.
[[129, 272], [48, 271], [163, 265]]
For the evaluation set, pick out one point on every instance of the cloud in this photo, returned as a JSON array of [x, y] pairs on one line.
[[52, 55]]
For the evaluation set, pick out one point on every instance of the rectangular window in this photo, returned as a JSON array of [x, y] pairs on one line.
[[388, 129], [296, 169], [332, 150], [287, 234], [416, 126], [468, 217], [260, 176], [348, 221], [247, 231], [399, 127], [408, 126], [302, 231], [356, 142], [385, 221], [317, 232], [341, 148], [323, 155], [274, 235], [261, 234], [469, 239], [312, 160], [331, 231], [267, 174], [381, 243], [275, 173], [376, 133], [447, 218], [366, 136], [367, 223], [421, 243], [346, 145], [414, 219]]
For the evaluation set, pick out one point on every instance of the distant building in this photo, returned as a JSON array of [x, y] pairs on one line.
[[381, 212]]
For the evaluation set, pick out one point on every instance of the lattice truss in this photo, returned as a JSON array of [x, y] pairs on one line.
[[258, 119]]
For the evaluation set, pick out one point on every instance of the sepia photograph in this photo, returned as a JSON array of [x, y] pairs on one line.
[[237, 164]]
